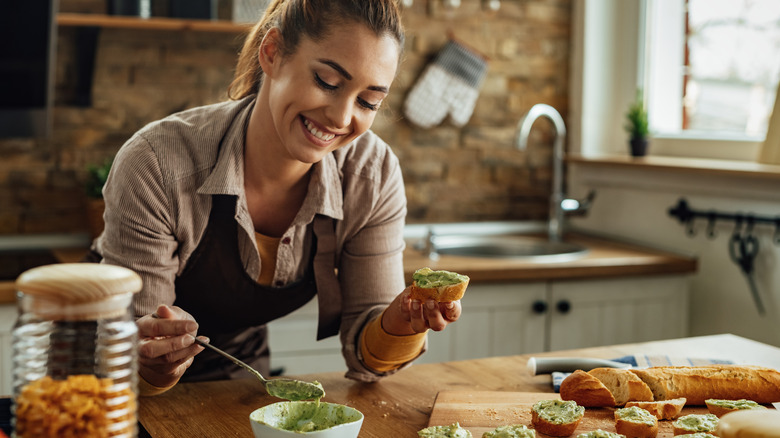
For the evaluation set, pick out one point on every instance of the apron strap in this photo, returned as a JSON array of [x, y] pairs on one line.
[[328, 287]]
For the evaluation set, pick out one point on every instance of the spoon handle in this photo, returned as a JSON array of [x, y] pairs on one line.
[[235, 360]]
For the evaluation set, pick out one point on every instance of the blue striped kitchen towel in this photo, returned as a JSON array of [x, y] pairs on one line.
[[645, 361]]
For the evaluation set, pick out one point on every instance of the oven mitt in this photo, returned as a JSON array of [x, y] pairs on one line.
[[448, 85]]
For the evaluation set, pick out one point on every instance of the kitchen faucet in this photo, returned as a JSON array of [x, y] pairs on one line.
[[558, 203]]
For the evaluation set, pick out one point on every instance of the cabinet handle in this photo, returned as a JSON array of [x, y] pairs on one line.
[[564, 306], [539, 307]]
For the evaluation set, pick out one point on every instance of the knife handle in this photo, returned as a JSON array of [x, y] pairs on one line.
[[546, 365]]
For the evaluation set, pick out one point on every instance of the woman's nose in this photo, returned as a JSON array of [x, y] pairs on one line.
[[339, 113]]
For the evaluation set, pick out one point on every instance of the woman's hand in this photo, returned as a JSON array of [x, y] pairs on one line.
[[405, 316], [166, 345]]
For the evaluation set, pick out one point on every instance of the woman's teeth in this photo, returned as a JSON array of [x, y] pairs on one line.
[[317, 133]]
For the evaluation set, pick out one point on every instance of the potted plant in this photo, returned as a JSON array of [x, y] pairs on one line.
[[96, 179], [637, 126]]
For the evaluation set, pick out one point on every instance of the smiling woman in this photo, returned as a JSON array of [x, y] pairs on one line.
[[238, 213]]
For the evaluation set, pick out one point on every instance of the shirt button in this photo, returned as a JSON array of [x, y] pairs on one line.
[[279, 283], [286, 240]]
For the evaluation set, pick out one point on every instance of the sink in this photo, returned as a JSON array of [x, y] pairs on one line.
[[530, 248]]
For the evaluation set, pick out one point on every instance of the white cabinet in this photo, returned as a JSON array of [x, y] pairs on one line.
[[501, 319]]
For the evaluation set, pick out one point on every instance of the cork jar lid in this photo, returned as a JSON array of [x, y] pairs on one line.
[[86, 290]]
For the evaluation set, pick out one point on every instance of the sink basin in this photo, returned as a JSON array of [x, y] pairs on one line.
[[530, 248]]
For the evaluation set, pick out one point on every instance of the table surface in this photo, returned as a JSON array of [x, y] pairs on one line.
[[401, 404]]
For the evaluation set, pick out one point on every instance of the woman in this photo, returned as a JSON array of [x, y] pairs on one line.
[[240, 212]]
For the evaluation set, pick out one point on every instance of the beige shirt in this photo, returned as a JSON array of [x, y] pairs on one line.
[[158, 199]]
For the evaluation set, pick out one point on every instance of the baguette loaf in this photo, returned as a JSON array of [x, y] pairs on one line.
[[624, 385], [586, 390], [440, 286], [698, 384], [663, 410]]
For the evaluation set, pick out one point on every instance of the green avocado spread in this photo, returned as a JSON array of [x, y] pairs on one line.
[[600, 434], [294, 390], [452, 431], [697, 423], [696, 435], [636, 414], [559, 411], [735, 404], [310, 416], [428, 278], [511, 431]]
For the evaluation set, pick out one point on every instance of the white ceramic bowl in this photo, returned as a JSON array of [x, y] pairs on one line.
[[328, 420]]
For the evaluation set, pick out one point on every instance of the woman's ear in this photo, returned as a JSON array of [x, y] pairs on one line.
[[269, 53]]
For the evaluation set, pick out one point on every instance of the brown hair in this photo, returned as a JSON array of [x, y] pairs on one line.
[[313, 19]]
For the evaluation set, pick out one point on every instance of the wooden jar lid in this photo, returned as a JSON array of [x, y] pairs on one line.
[[88, 290]]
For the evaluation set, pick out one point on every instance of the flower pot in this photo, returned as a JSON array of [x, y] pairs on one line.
[[638, 147]]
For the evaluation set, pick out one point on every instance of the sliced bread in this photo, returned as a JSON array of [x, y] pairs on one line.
[[695, 423], [720, 407], [624, 385], [586, 390], [663, 410], [636, 422], [556, 417]]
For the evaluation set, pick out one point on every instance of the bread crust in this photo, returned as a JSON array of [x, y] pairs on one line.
[[624, 385], [543, 426], [586, 390], [663, 410], [636, 430], [700, 383], [452, 292]]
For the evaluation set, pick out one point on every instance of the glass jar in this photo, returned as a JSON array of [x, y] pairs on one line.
[[74, 352]]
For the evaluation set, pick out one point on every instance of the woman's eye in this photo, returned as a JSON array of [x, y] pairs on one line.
[[367, 105], [323, 84]]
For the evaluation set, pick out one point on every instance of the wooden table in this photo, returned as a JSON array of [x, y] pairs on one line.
[[400, 405]]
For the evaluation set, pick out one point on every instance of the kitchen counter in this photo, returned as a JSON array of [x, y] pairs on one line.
[[401, 404], [605, 258]]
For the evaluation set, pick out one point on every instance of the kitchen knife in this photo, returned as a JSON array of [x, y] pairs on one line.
[[547, 365]]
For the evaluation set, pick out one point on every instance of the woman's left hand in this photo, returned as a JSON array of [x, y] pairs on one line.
[[405, 316]]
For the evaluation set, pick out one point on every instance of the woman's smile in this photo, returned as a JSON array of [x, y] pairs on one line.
[[317, 131]]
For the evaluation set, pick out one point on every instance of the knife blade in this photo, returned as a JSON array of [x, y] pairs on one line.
[[547, 365]]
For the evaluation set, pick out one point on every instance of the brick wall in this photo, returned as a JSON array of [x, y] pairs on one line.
[[452, 173]]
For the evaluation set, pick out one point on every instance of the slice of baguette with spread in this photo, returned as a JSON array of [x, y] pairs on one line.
[[695, 423], [663, 410], [624, 385], [556, 417], [440, 286], [700, 383], [720, 407], [636, 422], [586, 390]]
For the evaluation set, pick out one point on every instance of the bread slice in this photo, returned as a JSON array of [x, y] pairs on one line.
[[700, 383], [695, 423], [440, 286], [586, 390], [663, 410], [636, 422], [624, 385], [721, 407], [556, 417]]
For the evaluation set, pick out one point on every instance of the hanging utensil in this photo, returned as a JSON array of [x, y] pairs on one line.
[[743, 248]]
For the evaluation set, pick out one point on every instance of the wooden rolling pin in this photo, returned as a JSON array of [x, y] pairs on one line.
[[750, 424]]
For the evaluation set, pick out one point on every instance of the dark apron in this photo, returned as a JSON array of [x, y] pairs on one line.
[[231, 308]]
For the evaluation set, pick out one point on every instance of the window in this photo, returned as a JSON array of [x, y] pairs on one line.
[[712, 66]]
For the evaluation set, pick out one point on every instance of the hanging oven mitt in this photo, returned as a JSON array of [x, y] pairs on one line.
[[448, 85]]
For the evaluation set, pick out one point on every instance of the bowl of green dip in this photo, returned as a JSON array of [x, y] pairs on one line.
[[306, 418]]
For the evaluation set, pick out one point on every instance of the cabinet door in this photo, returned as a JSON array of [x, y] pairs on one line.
[[616, 311], [497, 320]]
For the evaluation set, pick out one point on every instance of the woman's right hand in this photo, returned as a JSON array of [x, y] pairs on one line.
[[166, 345]]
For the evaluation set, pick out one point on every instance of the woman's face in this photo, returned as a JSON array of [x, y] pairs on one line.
[[328, 92]]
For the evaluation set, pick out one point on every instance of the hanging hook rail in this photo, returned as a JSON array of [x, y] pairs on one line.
[[687, 215]]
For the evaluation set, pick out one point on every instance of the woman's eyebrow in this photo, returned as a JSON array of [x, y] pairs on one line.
[[343, 72]]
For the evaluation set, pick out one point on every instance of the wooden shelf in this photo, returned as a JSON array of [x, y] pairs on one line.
[[154, 23]]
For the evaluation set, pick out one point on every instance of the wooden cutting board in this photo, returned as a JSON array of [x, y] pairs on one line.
[[482, 411]]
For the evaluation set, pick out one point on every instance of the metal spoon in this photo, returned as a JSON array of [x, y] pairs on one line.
[[287, 389]]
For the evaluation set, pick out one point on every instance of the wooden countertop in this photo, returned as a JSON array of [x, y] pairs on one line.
[[401, 404], [605, 258]]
